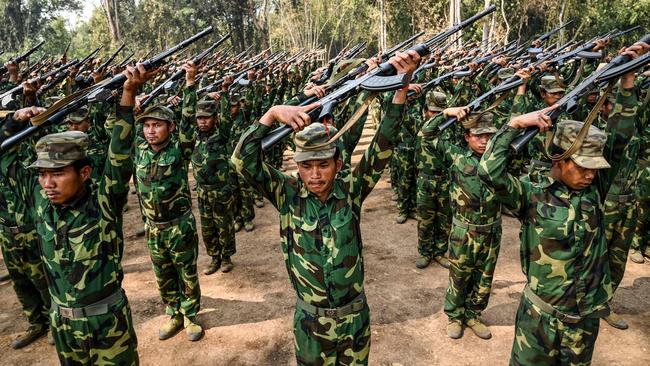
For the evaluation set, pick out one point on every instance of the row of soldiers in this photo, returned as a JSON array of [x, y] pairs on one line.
[[75, 204]]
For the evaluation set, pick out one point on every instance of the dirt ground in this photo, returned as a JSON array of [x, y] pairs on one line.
[[247, 314]]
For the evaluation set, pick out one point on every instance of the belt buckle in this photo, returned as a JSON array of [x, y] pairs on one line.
[[66, 312], [331, 313], [569, 318]]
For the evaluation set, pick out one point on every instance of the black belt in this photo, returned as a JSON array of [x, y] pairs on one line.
[[352, 307], [16, 229], [98, 308], [165, 224]]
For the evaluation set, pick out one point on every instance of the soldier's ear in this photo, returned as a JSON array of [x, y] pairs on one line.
[[85, 172], [339, 165], [172, 127]]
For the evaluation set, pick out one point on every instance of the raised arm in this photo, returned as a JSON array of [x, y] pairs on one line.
[[186, 129]]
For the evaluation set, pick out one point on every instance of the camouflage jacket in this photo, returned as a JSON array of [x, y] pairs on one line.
[[13, 209], [321, 242], [563, 245], [471, 201], [211, 160], [162, 176], [430, 161], [80, 242]]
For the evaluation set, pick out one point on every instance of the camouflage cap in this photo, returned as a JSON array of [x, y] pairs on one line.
[[159, 112], [313, 135], [344, 67], [58, 150], [505, 73], [484, 123], [206, 108], [235, 98], [79, 115], [590, 153], [552, 84], [436, 101]]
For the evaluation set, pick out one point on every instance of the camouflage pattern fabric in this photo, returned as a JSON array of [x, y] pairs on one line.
[[473, 252], [434, 214], [563, 245], [405, 160], [321, 242], [163, 189], [80, 247]]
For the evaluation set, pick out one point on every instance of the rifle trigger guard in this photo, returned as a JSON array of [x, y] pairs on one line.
[[385, 83], [99, 95]]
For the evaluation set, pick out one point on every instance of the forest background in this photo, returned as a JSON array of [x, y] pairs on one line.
[[291, 25]]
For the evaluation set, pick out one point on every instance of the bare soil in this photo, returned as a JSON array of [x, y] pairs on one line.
[[247, 313]]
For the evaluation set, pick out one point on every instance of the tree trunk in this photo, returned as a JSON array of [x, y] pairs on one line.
[[111, 10], [485, 42], [505, 20], [560, 37]]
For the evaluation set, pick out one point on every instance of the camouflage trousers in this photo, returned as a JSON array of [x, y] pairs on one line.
[[217, 225], [642, 232], [620, 222], [434, 215], [473, 258], [22, 258], [322, 341], [244, 201], [173, 252], [406, 177], [107, 339], [542, 339]]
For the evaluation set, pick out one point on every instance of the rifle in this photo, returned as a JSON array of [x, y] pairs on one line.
[[126, 61], [569, 103], [21, 58], [57, 78], [99, 92], [544, 37], [382, 78], [180, 73], [215, 86], [559, 60], [19, 89], [65, 52], [110, 59]]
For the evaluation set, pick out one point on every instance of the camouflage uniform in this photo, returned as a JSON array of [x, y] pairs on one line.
[[563, 246], [641, 240], [165, 202], [322, 241], [99, 138], [434, 211], [80, 243], [214, 176], [404, 160], [476, 226], [19, 241]]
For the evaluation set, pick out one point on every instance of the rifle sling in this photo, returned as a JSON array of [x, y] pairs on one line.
[[351, 122], [471, 122], [577, 143]]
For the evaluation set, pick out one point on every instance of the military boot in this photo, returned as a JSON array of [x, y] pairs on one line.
[[646, 252], [50, 338], [227, 265], [169, 329], [636, 256], [413, 215], [249, 226], [5, 277], [423, 262], [444, 262], [259, 203], [401, 218], [140, 233], [193, 329], [238, 226], [454, 329], [616, 321], [481, 330], [34, 332], [214, 266]]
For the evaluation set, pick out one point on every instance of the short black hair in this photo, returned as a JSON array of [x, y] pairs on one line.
[[81, 163], [337, 154]]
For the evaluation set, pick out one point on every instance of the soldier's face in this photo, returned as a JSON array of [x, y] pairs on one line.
[[606, 109], [574, 176], [205, 124], [82, 126], [478, 143], [319, 175], [552, 98], [156, 132], [62, 185]]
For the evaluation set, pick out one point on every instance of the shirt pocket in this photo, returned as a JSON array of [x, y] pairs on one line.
[[552, 222]]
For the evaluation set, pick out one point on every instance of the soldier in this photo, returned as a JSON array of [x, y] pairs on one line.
[[80, 230], [434, 212], [81, 120], [161, 160], [476, 225], [215, 177], [405, 160], [563, 245], [319, 225]]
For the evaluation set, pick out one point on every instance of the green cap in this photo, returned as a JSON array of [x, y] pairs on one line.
[[79, 115], [58, 150], [235, 98], [484, 123], [206, 108], [590, 153], [506, 73], [314, 135], [436, 101], [552, 84], [344, 67], [159, 112]]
